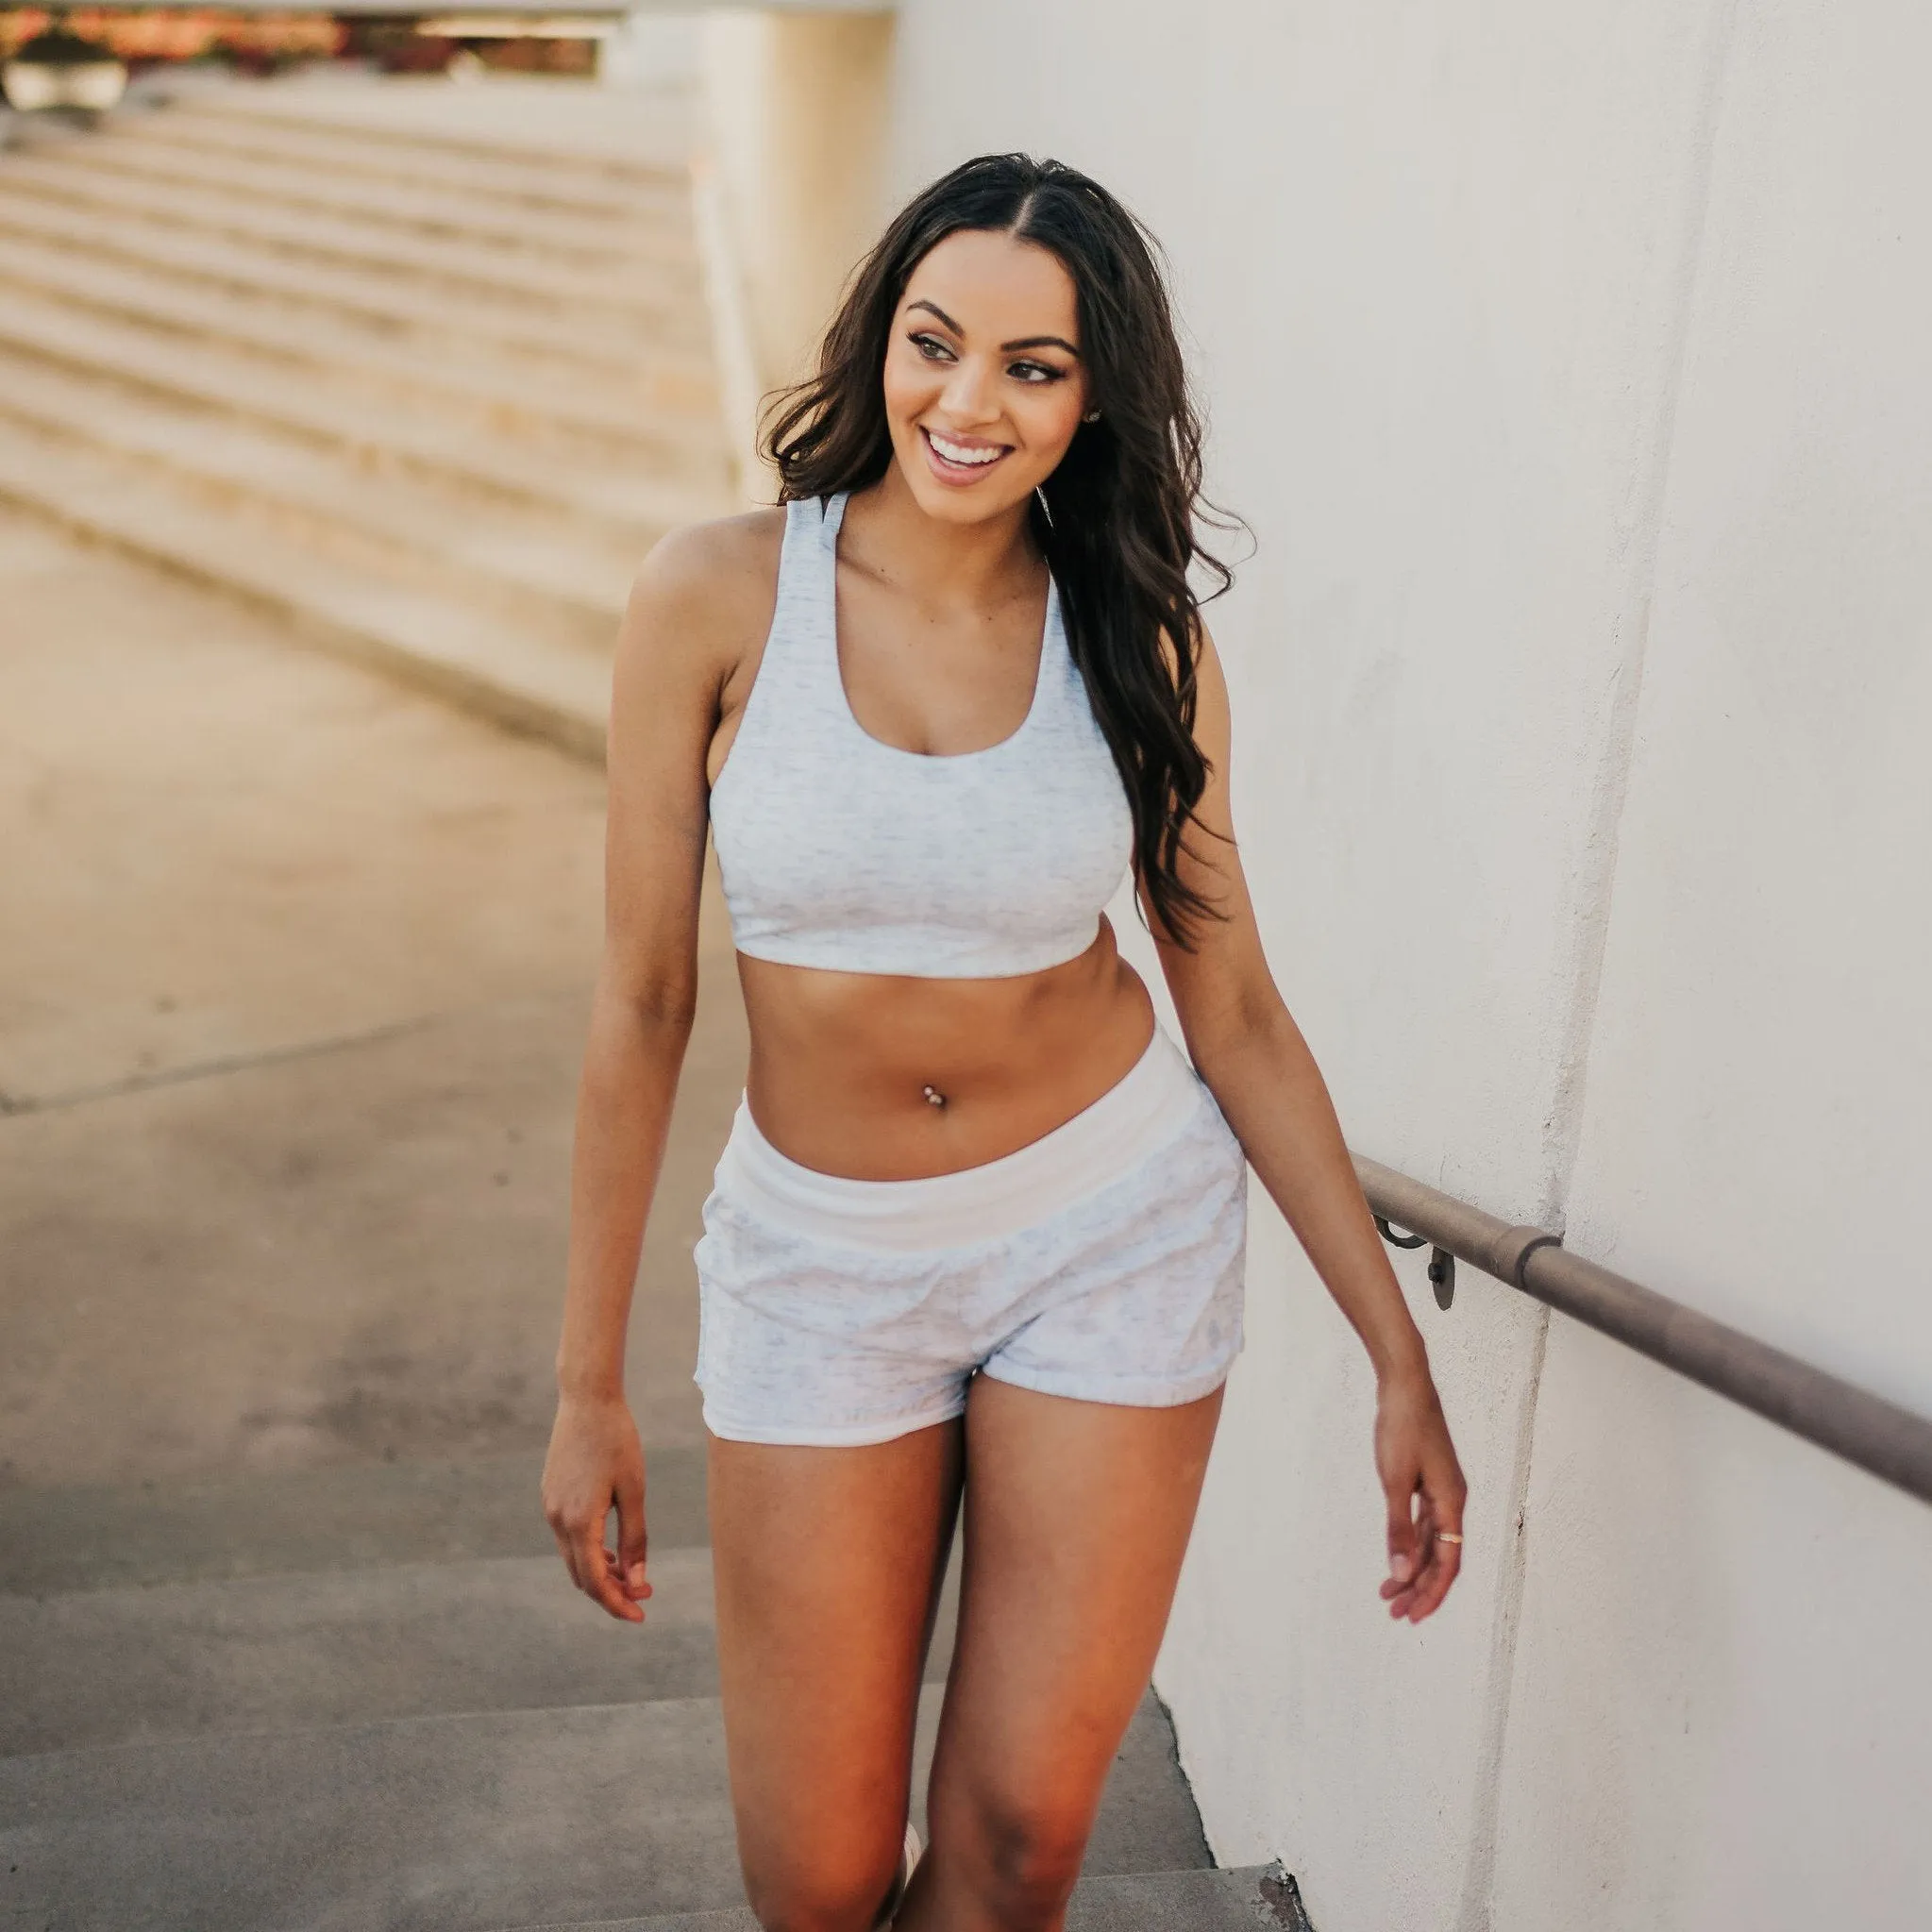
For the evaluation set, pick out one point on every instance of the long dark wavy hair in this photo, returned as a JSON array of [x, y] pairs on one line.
[[1115, 520]]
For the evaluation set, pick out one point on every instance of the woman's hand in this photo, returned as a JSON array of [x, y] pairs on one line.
[[595, 1463], [1423, 1484]]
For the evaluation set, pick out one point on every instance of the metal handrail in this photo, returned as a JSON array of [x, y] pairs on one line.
[[1879, 1437]]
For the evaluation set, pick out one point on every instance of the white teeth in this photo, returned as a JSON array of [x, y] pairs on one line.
[[958, 452]]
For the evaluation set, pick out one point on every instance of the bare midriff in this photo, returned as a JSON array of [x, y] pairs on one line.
[[884, 1078]]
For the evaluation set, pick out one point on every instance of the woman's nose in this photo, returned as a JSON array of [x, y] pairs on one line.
[[968, 394]]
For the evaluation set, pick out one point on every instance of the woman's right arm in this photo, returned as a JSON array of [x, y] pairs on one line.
[[674, 655]]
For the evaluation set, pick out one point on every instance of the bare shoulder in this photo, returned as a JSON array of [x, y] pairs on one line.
[[706, 558], [706, 592], [699, 609]]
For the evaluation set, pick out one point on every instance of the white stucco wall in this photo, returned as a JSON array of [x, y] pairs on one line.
[[788, 178], [794, 102], [1569, 364], [1723, 1706], [650, 50]]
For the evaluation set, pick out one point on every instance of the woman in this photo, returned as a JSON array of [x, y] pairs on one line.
[[979, 1226]]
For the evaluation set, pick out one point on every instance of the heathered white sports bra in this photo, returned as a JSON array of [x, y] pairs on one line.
[[843, 852]]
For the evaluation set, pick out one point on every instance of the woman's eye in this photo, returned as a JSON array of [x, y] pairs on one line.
[[930, 347], [1036, 372]]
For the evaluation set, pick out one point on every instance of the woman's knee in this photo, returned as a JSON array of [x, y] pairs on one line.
[[1030, 1852], [835, 1890]]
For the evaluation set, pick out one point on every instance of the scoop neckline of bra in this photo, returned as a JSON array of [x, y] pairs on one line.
[[833, 516]]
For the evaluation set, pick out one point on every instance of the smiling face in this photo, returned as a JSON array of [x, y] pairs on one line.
[[985, 388]]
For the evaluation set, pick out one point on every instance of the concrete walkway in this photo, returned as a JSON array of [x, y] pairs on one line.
[[291, 1007]]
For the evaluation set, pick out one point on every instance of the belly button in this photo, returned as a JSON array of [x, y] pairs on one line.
[[933, 1097]]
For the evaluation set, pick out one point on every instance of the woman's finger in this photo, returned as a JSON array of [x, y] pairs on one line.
[[1442, 1505], [632, 1544], [1401, 1596], [596, 1563], [1405, 1558], [1399, 1591], [566, 1548], [1442, 1572], [1432, 1584], [1445, 1565]]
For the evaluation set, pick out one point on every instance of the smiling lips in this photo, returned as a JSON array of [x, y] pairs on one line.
[[961, 460]]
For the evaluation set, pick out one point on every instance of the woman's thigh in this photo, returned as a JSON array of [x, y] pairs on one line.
[[827, 1563], [1077, 1516]]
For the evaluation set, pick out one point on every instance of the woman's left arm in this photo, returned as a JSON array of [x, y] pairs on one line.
[[1248, 1049]]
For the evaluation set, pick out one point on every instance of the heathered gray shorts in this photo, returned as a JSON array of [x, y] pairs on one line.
[[1103, 1262]]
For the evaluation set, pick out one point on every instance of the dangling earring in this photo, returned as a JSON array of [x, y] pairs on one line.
[[1040, 491]]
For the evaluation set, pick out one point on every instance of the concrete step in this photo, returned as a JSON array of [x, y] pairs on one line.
[[1210, 1900], [290, 1522], [488, 668], [571, 417], [629, 506], [482, 1819], [414, 1825], [576, 139], [390, 215], [665, 302], [87, 1669], [549, 580], [235, 127], [656, 227], [626, 367]]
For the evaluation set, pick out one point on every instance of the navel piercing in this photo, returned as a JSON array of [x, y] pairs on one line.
[[933, 1097]]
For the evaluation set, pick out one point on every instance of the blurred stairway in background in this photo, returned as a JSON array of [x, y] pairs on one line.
[[428, 398]]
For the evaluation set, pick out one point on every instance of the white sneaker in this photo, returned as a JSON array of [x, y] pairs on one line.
[[909, 1858]]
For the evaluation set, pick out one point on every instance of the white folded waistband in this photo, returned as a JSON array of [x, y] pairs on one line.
[[1133, 1118]]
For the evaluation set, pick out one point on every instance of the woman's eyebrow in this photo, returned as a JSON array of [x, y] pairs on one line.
[[934, 309], [1025, 342]]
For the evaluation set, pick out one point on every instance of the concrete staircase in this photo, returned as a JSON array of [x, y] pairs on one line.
[[428, 398], [365, 1698]]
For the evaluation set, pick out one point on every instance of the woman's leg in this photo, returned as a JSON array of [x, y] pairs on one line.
[[828, 1564], [1077, 1516]]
